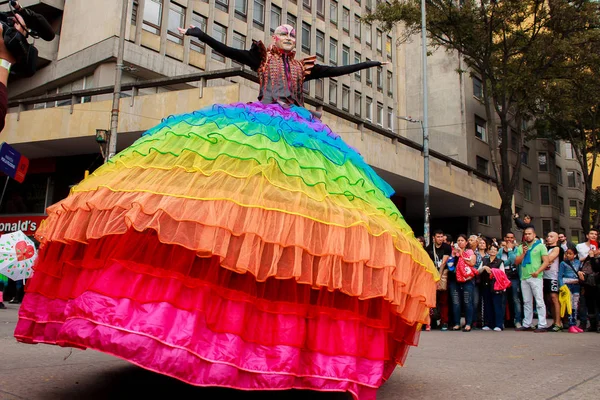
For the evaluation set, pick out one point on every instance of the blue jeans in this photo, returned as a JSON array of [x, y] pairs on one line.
[[493, 306], [516, 297], [462, 292]]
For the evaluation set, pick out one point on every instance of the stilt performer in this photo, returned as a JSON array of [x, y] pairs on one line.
[[241, 245]]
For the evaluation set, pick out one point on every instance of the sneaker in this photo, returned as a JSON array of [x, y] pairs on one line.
[[540, 330], [573, 329], [427, 328], [444, 327], [2, 306], [555, 328], [591, 329], [518, 325], [14, 301], [486, 328], [524, 328], [578, 329], [496, 329]]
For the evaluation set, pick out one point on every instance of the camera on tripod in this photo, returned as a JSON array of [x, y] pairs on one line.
[[16, 42]]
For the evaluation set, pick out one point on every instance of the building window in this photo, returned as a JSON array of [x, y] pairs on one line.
[[198, 21], [176, 20], [320, 88], [305, 37], [222, 5], [380, 79], [357, 27], [514, 141], [356, 61], [275, 17], [379, 114], [369, 109], [545, 195], [346, 19], [345, 55], [481, 164], [379, 43], [241, 9], [238, 41], [369, 74], [307, 4], [390, 83], [332, 92], [390, 119], [574, 179], [134, 11], [152, 16], [557, 147], [546, 227], [333, 51], [345, 98], [258, 16], [477, 88], [480, 130], [388, 47], [333, 12], [321, 8], [320, 42], [525, 156], [559, 178], [357, 104], [561, 205], [484, 220], [306, 87], [573, 209], [569, 152], [575, 236], [526, 189], [554, 198], [542, 161], [368, 5], [291, 19], [220, 34], [368, 34]]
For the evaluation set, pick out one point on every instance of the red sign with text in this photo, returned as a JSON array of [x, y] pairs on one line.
[[27, 224]]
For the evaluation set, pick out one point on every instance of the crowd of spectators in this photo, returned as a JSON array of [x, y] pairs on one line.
[[494, 285]]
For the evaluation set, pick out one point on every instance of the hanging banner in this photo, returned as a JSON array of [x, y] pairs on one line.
[[12, 163]]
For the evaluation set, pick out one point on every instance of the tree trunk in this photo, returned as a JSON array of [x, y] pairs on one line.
[[585, 212], [506, 214]]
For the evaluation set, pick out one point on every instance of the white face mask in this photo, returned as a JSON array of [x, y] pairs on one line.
[[284, 38]]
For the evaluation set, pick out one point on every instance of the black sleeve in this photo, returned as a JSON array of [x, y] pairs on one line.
[[447, 250], [3, 105], [326, 71], [519, 223], [38, 23], [251, 58]]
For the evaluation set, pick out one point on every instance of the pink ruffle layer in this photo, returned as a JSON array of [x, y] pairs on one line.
[[164, 339]]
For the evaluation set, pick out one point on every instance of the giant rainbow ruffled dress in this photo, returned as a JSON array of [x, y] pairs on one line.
[[243, 246]]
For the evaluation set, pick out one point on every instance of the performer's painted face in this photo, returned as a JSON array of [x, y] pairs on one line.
[[284, 37]]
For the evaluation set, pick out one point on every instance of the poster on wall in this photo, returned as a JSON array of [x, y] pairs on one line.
[[12, 163]]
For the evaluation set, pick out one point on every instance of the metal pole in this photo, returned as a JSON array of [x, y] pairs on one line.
[[114, 117], [4, 190], [425, 125]]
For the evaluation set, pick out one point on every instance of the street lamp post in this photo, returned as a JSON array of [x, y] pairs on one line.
[[426, 225]]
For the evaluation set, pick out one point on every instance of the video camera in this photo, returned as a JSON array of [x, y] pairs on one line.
[[16, 43]]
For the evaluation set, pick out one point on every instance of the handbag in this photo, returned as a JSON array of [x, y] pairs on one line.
[[443, 282], [588, 271]]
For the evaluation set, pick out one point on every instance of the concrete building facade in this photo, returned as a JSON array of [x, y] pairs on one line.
[[58, 135]]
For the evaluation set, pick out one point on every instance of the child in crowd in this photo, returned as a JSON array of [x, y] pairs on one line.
[[567, 275]]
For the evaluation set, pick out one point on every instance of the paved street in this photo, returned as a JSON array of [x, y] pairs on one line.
[[476, 365]]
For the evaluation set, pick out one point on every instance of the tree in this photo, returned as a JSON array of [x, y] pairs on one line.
[[570, 110], [513, 46], [595, 207]]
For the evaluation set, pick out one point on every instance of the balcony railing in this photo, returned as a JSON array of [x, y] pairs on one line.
[[203, 77]]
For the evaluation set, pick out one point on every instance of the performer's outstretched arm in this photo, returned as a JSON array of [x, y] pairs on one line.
[[251, 58], [326, 71]]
